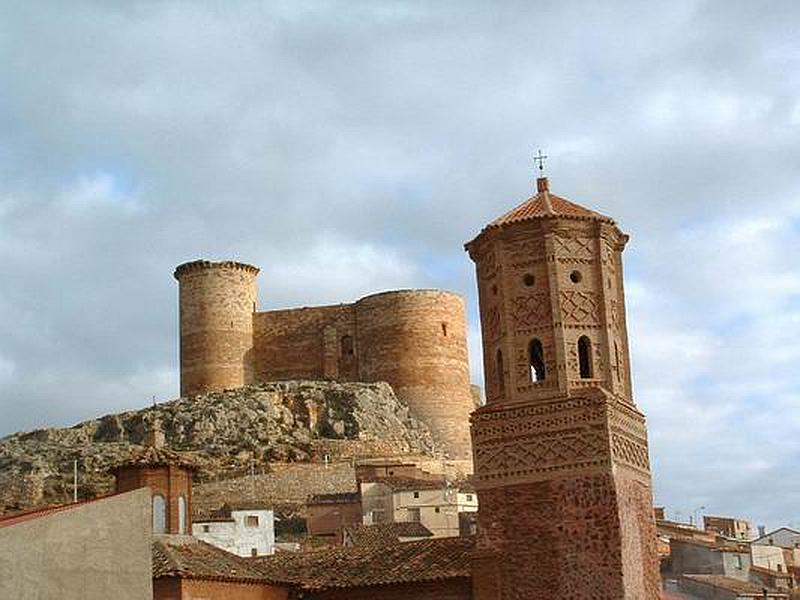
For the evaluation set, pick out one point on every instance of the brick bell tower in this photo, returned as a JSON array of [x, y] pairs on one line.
[[560, 449]]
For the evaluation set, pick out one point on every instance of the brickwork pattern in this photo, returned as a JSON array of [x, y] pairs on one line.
[[561, 464]]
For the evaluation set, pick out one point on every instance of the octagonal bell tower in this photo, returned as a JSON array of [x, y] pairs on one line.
[[560, 449]]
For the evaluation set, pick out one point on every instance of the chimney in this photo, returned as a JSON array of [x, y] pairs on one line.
[[154, 436]]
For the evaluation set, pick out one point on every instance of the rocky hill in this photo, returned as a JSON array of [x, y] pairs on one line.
[[227, 433]]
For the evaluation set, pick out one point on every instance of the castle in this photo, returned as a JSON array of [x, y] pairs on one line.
[[413, 339]]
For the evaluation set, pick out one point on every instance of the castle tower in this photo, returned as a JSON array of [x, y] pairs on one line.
[[217, 303], [560, 449], [417, 341]]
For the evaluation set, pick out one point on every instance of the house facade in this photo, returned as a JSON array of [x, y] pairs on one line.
[[244, 532]]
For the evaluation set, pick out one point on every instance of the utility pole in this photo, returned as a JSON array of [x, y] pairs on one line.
[[75, 480]]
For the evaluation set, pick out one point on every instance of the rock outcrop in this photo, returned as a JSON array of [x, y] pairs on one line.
[[227, 433]]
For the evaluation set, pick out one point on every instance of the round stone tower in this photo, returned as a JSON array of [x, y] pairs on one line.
[[416, 341], [217, 302]]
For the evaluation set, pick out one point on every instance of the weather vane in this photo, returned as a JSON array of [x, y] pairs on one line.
[[540, 158]]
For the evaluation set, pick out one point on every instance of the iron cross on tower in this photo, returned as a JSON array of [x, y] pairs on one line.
[[540, 158]]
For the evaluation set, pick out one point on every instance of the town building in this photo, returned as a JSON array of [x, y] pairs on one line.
[[785, 537], [737, 529], [92, 550], [436, 504], [696, 557], [244, 531], [380, 535], [413, 339], [330, 514], [168, 475], [560, 449], [718, 587]]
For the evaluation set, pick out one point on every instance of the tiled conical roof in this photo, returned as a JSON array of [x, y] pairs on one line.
[[546, 205]]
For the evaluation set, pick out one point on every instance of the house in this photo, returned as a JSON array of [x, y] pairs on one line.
[[783, 537], [92, 550], [185, 568], [737, 529], [719, 587], [434, 503], [384, 534], [330, 514], [771, 558], [696, 557], [244, 530]]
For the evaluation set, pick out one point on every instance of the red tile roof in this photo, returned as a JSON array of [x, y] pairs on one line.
[[29, 515], [152, 456], [189, 558], [356, 566], [738, 586], [382, 534], [544, 204]]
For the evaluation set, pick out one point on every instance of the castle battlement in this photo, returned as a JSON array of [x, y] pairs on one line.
[[196, 265]]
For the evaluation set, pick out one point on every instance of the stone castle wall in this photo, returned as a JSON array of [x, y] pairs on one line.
[[413, 339]]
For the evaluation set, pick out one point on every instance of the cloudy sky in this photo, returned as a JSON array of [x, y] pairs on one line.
[[348, 147]]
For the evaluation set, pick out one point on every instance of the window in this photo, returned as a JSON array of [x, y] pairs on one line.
[[536, 360], [585, 357], [347, 345], [617, 361], [738, 561], [469, 497], [575, 277], [528, 279], [416, 494], [444, 329], [159, 514], [206, 528], [251, 521], [501, 385], [437, 510], [253, 551], [181, 515], [412, 515]]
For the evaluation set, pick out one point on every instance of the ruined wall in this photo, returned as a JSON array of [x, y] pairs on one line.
[[217, 302]]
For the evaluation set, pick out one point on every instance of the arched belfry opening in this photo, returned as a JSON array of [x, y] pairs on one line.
[[585, 357], [538, 372], [501, 384]]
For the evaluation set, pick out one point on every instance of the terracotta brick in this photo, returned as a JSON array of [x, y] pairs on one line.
[[560, 450]]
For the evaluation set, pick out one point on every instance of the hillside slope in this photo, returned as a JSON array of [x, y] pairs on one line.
[[226, 432]]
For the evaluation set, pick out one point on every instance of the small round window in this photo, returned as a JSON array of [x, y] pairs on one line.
[[575, 277], [528, 279]]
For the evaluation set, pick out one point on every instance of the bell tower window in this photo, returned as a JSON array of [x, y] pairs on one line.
[[585, 357], [347, 345], [501, 384], [536, 360]]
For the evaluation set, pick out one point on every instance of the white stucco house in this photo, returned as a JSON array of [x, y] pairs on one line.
[[242, 531]]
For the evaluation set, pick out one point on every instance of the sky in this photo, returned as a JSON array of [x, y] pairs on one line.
[[351, 147]]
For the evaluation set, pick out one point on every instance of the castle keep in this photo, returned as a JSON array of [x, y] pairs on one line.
[[560, 449], [413, 339]]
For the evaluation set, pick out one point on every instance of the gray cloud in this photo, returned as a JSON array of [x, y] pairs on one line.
[[351, 147]]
